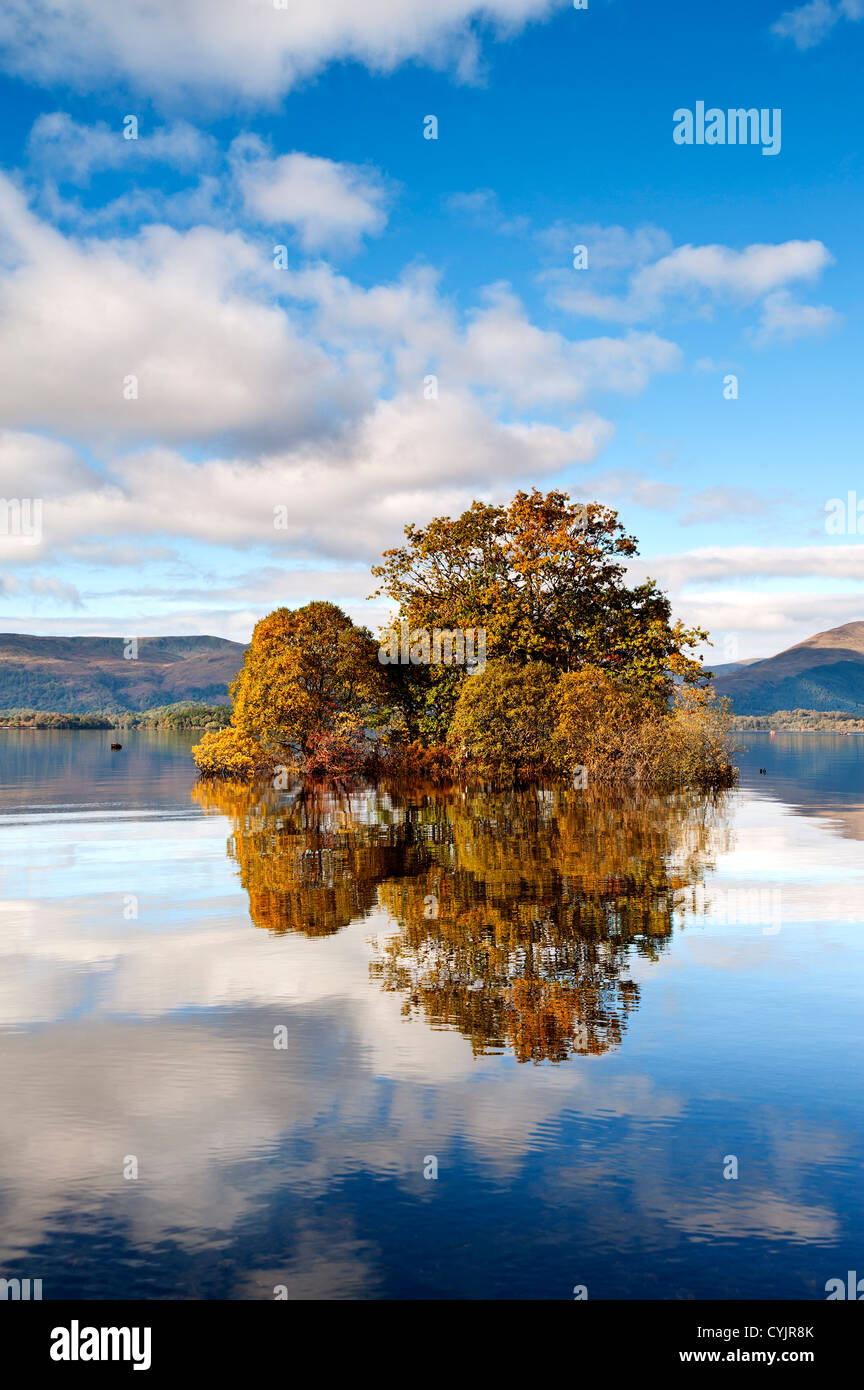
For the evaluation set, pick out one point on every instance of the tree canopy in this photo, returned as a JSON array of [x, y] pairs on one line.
[[305, 670], [546, 578]]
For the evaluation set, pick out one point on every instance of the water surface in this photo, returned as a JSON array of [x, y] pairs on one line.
[[288, 1008]]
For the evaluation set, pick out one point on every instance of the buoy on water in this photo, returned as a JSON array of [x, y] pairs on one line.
[[115, 747]]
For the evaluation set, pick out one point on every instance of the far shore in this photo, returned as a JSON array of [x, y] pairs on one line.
[[186, 716], [798, 722]]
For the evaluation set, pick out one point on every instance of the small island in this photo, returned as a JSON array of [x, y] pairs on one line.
[[517, 652]]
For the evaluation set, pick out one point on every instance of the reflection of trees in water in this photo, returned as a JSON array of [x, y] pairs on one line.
[[311, 862], [541, 898], [515, 913]]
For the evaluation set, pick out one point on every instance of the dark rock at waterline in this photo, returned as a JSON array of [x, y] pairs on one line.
[[116, 746]]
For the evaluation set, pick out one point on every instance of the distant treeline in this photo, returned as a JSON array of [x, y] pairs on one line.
[[802, 721], [177, 716]]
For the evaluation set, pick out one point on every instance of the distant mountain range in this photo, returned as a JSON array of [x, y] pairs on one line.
[[83, 675], [824, 673]]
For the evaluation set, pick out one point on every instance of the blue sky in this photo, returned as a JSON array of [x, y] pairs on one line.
[[167, 390]]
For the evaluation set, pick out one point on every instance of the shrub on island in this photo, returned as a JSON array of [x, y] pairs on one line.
[[528, 723], [233, 755]]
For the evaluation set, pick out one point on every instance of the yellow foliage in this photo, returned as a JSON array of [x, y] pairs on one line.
[[305, 670], [504, 719], [527, 722], [231, 754]]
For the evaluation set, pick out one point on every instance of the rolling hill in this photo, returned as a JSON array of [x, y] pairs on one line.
[[826, 672], [82, 675]]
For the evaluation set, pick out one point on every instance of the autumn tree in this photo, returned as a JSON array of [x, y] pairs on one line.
[[314, 865], [308, 671], [310, 686], [602, 726], [504, 719], [546, 578]]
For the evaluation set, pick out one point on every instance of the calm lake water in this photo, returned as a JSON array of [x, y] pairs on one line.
[[287, 1009]]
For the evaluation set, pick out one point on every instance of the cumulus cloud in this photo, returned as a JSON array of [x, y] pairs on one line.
[[160, 335], [32, 465], [329, 204], [72, 151], [710, 563], [498, 350], [190, 338], [749, 274], [203, 389], [765, 623], [699, 277], [503, 349], [715, 588], [660, 274], [325, 205], [611, 248], [347, 495], [257, 391], [190, 49], [809, 24], [783, 319], [209, 201]]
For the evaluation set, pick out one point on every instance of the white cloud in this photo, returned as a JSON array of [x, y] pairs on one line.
[[609, 248], [499, 351], [190, 338], [701, 276], [715, 587], [33, 466], [179, 313], [783, 319], [766, 623], [809, 24], [176, 50], [48, 586], [72, 151], [503, 350], [330, 204], [258, 388], [41, 588], [710, 563], [348, 495], [628, 485], [747, 274]]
